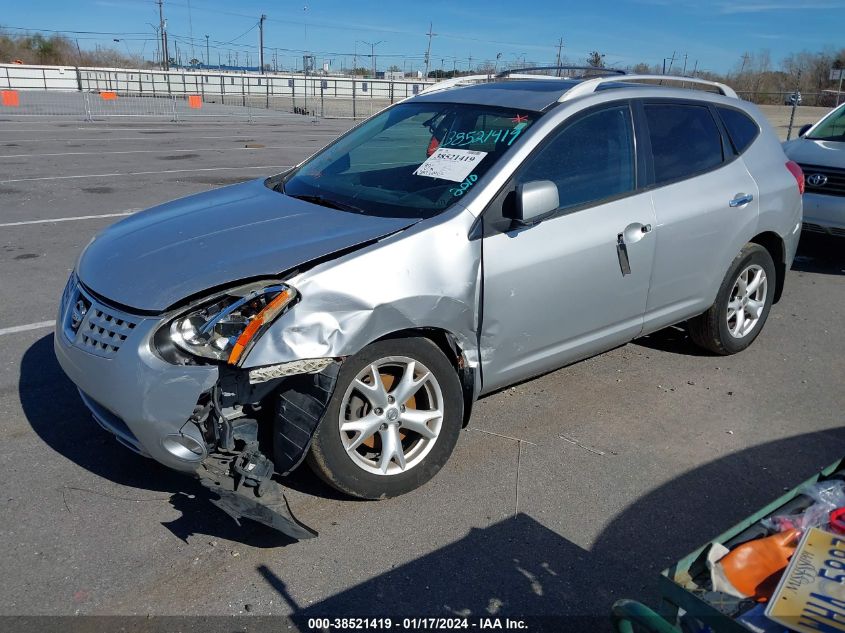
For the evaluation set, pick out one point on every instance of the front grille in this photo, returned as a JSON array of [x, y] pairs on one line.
[[812, 228], [835, 185], [91, 325], [816, 228], [104, 330]]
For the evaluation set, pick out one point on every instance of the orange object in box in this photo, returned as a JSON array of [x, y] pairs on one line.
[[754, 568], [10, 98], [195, 102], [108, 95]]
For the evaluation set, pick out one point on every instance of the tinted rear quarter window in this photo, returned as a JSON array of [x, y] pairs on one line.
[[685, 140], [741, 128]]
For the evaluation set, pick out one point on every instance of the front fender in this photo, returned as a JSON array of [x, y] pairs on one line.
[[424, 277]]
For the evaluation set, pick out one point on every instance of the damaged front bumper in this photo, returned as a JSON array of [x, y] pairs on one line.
[[199, 419], [144, 401]]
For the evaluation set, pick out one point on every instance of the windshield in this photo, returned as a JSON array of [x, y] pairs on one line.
[[831, 128], [410, 161]]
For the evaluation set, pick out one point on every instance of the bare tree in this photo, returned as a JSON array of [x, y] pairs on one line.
[[595, 59]]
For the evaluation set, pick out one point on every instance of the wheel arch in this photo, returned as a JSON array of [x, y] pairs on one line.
[[448, 344], [774, 244]]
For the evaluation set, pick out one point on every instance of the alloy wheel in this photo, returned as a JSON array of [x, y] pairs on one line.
[[391, 415], [747, 301]]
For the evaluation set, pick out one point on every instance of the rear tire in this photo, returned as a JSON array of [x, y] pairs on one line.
[[742, 306], [394, 396]]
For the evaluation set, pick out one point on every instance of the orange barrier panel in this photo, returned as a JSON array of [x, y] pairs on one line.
[[195, 102], [108, 95], [10, 98]]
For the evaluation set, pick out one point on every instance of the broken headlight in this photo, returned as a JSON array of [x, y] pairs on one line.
[[225, 327]]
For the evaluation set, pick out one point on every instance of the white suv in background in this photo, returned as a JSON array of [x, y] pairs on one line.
[[820, 150]]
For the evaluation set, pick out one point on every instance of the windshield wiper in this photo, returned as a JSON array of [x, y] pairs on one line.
[[326, 202]]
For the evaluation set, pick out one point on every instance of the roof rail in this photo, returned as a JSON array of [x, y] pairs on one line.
[[609, 71], [589, 86], [454, 81], [515, 73], [470, 79]]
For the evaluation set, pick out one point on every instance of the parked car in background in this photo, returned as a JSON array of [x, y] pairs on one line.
[[820, 150], [793, 99], [349, 312]]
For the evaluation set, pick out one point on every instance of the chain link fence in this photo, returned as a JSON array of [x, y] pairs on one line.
[[822, 99]]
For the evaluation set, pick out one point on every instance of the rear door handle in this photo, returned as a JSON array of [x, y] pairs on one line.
[[741, 199]]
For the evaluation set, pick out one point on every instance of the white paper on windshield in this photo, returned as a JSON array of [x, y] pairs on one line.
[[450, 164]]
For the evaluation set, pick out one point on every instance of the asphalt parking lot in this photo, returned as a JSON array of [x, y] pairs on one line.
[[565, 493]]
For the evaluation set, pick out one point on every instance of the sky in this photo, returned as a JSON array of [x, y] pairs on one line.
[[706, 34]]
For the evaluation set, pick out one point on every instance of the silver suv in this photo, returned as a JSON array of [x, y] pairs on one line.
[[820, 150], [350, 311]]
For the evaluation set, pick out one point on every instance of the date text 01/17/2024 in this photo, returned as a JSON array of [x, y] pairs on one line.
[[416, 624]]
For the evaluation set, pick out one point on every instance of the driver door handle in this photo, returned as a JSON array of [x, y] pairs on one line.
[[741, 200]]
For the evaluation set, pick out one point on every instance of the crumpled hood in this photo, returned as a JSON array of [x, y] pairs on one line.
[[822, 153], [155, 258]]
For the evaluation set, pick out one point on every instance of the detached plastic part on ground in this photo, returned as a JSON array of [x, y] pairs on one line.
[[260, 499]]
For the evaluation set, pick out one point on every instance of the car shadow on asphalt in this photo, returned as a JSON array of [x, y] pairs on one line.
[[674, 340], [53, 408], [520, 568], [824, 254]]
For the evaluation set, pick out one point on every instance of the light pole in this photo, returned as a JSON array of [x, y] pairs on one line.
[[158, 43], [125, 45], [372, 46], [207, 53]]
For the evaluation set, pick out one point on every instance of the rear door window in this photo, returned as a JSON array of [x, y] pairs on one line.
[[685, 140], [741, 128]]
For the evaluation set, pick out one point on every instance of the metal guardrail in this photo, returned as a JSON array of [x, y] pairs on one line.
[[92, 106], [98, 92]]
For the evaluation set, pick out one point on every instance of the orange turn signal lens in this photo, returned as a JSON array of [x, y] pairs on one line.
[[270, 311]]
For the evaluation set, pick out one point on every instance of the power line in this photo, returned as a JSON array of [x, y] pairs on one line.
[[250, 29], [21, 28]]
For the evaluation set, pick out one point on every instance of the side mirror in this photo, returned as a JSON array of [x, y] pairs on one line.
[[804, 129], [534, 200]]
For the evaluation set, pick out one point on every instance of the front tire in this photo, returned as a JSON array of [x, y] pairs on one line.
[[742, 306], [392, 422]]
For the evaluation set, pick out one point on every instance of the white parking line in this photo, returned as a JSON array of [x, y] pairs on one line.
[[159, 151], [53, 130], [187, 129], [73, 219], [247, 138], [143, 173], [25, 328]]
